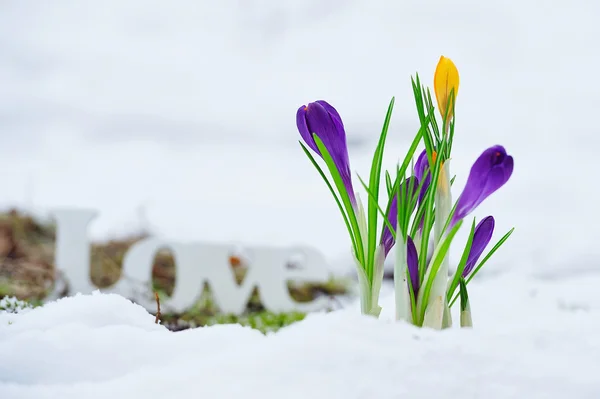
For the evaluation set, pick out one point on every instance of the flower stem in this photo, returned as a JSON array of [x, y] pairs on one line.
[[439, 314], [401, 294]]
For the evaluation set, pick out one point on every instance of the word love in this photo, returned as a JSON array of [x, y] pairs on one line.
[[196, 263]]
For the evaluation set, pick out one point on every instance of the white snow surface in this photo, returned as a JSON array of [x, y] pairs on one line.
[[531, 339]]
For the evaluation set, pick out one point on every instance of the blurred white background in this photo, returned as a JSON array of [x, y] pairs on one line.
[[185, 111]]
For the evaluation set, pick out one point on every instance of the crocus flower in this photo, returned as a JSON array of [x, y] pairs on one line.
[[321, 118], [481, 238], [412, 261], [490, 171], [410, 188], [446, 80]]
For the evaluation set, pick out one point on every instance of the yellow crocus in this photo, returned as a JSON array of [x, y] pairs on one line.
[[445, 84]]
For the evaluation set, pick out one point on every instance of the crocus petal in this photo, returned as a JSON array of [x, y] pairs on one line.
[[421, 165], [332, 111], [321, 118], [445, 80], [392, 216], [303, 129], [411, 186], [481, 238], [490, 171], [422, 172], [412, 261]]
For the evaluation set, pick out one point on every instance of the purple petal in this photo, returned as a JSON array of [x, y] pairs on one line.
[[303, 129], [421, 165], [332, 111], [321, 118], [490, 171], [481, 238], [412, 260], [422, 171], [392, 216]]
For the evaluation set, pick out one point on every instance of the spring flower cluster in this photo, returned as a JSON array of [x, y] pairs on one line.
[[418, 211]]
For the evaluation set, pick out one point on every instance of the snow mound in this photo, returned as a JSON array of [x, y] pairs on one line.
[[92, 311], [530, 344]]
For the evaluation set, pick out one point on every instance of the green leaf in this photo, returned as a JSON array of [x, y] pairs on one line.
[[486, 258], [418, 216], [400, 193], [431, 111], [429, 213], [314, 162], [374, 181], [452, 105], [409, 203], [401, 171], [489, 255], [461, 265], [416, 85], [421, 207], [434, 267], [337, 179], [388, 184], [385, 219], [464, 295], [390, 198], [451, 138], [425, 119]]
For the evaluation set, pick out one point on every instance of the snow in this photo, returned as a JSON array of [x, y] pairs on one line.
[[531, 339], [179, 117]]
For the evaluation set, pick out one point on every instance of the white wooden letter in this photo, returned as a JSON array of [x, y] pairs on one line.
[[72, 255]]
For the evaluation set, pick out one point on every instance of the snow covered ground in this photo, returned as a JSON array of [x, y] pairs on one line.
[[531, 340], [185, 111]]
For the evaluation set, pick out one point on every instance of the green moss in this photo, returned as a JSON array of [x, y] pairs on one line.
[[206, 312], [13, 305], [262, 321]]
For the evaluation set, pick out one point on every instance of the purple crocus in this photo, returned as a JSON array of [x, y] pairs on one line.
[[410, 188], [412, 261], [321, 118], [490, 171], [481, 238]]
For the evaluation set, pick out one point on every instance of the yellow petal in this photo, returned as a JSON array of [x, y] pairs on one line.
[[445, 81]]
